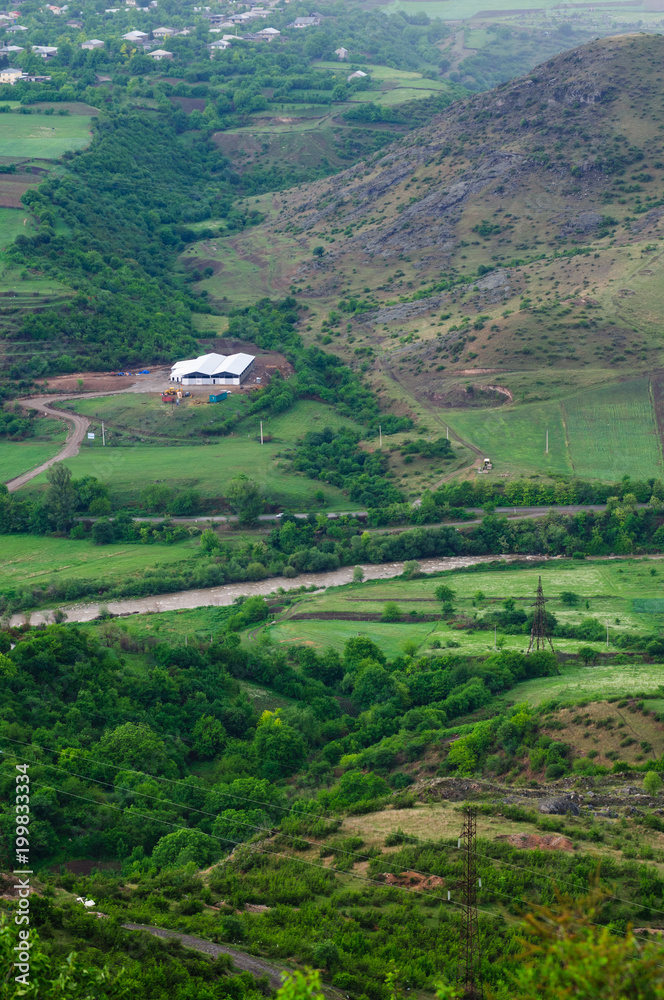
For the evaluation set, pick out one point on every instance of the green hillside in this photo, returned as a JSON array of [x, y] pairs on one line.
[[509, 253]]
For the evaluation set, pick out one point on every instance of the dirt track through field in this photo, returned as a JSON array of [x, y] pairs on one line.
[[245, 963], [78, 428]]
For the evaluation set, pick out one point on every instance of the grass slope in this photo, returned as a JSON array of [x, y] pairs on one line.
[[613, 591], [17, 457], [34, 560], [42, 136], [558, 197]]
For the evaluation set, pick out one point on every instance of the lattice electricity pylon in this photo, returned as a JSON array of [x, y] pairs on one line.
[[468, 968], [539, 634]]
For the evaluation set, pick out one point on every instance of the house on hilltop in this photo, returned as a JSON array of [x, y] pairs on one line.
[[45, 51], [136, 36], [93, 43], [213, 369], [268, 34], [163, 32], [342, 53], [311, 21]]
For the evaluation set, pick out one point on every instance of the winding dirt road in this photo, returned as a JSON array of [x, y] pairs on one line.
[[75, 435]]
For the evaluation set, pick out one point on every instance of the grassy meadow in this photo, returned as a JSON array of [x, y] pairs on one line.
[[42, 136], [12, 225], [615, 592], [31, 560], [17, 457], [143, 427], [601, 433], [592, 683]]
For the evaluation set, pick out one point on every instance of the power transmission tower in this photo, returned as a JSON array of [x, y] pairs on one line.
[[539, 634], [468, 969]]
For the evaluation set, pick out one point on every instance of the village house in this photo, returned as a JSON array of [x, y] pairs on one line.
[[136, 36], [45, 51], [268, 34], [163, 32], [160, 54], [10, 75], [311, 21], [93, 43], [341, 52]]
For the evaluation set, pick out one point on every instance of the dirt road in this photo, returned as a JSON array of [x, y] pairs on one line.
[[77, 431], [246, 963]]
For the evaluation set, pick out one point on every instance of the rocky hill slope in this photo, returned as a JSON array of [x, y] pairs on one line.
[[486, 238]]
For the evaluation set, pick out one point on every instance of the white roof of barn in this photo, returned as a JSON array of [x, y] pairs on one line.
[[214, 364]]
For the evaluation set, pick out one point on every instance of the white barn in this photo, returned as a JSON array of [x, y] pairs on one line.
[[213, 369]]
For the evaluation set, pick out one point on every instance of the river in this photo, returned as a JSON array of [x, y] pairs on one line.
[[224, 595]]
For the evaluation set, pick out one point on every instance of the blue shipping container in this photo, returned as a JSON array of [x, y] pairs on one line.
[[219, 398]]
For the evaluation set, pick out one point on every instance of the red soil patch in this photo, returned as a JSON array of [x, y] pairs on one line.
[[413, 880], [538, 842]]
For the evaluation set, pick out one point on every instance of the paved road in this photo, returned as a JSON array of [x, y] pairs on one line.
[[77, 431]]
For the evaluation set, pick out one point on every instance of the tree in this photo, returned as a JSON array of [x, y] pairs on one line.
[[358, 574], [60, 500], [444, 593], [301, 986], [587, 654], [209, 541], [182, 846], [391, 612], [102, 532], [278, 749], [245, 499], [133, 745], [318, 251], [652, 783], [209, 736], [574, 957], [569, 598]]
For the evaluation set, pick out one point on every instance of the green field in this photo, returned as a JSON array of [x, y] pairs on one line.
[[11, 225], [145, 418], [594, 683], [459, 10], [602, 433], [205, 468], [402, 94], [32, 560], [208, 467], [17, 457], [609, 587], [42, 136], [612, 432]]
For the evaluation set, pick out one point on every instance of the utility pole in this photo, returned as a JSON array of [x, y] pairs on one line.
[[547, 441], [607, 634], [103, 436], [448, 433], [469, 976], [495, 637], [261, 431], [539, 635]]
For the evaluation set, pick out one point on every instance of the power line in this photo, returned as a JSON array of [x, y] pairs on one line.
[[267, 805]]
